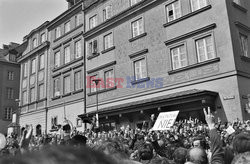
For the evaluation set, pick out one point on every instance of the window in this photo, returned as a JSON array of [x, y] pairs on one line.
[[77, 81], [66, 84], [107, 12], [173, 11], [244, 45], [92, 84], [179, 57], [137, 28], [10, 93], [239, 2], [140, 69], [54, 122], [57, 57], [109, 79], [198, 4], [25, 69], [56, 87], [78, 49], [43, 37], [205, 49], [34, 43], [67, 27], [8, 113], [77, 19], [41, 61], [32, 94], [66, 54], [93, 47], [41, 91], [10, 75], [58, 32], [25, 97], [108, 41], [92, 22], [12, 58], [33, 66], [133, 2]]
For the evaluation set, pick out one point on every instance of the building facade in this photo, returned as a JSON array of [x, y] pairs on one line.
[[9, 84], [163, 55], [65, 68], [34, 80]]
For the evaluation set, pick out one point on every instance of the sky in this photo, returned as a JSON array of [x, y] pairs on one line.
[[19, 17]]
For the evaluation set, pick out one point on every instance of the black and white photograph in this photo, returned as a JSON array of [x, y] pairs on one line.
[[124, 82]]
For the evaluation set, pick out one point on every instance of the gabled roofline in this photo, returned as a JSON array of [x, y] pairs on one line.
[[36, 29]]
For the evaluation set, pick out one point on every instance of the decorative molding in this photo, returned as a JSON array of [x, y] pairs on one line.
[[194, 66], [137, 37], [242, 26], [55, 98], [57, 46], [241, 8], [77, 66], [66, 70], [43, 99], [67, 94], [190, 34], [108, 49], [138, 53], [57, 74], [101, 67], [68, 33], [66, 41], [188, 15], [78, 34], [78, 91]]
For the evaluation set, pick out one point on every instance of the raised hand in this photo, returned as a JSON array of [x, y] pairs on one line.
[[209, 118]]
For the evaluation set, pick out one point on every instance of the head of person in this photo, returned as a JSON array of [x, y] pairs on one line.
[[60, 155], [241, 143], [199, 141], [159, 161], [197, 155], [146, 152], [243, 158], [78, 140], [180, 155]]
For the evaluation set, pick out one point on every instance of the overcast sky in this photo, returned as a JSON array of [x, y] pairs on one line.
[[19, 17]]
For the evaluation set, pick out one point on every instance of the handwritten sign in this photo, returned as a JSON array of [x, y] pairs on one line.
[[230, 130], [165, 120]]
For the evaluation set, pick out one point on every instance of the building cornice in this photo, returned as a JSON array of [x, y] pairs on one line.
[[120, 16], [101, 67], [34, 51]]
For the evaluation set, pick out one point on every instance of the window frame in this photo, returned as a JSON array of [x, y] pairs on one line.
[[134, 60], [184, 44], [77, 20], [8, 111], [25, 70], [64, 84], [11, 75], [109, 44], [41, 36], [39, 91], [242, 47], [134, 2], [24, 99], [39, 64], [67, 27], [32, 72], [192, 7], [106, 10], [80, 80], [64, 54], [91, 49], [58, 81], [90, 88], [58, 32], [59, 61], [75, 48], [143, 28], [10, 93], [32, 99], [167, 13], [105, 82], [94, 22], [203, 36]]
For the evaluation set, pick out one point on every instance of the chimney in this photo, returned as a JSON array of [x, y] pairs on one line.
[[70, 3]]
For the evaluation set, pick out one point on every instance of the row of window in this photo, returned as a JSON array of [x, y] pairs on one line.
[[66, 87], [67, 26], [35, 40], [67, 54], [10, 75], [10, 93], [41, 65], [32, 94]]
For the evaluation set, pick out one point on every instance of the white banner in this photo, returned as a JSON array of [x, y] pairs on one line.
[[165, 120]]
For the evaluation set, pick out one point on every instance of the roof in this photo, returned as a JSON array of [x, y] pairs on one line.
[[168, 97], [37, 29]]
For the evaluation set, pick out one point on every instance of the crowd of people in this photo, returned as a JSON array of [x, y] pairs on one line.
[[186, 142]]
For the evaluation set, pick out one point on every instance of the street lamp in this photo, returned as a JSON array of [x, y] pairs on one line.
[[96, 84]]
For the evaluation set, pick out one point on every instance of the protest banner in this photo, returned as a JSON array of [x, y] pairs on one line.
[[165, 120]]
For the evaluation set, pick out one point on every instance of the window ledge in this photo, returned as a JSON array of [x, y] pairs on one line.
[[137, 37], [55, 98], [93, 56], [34, 102], [187, 15], [77, 91], [245, 58], [67, 94], [237, 6], [140, 80], [108, 49], [102, 91], [69, 63], [194, 66], [43, 99]]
